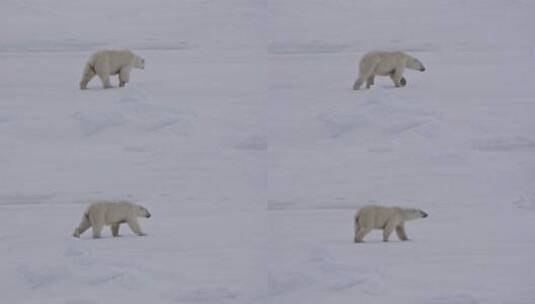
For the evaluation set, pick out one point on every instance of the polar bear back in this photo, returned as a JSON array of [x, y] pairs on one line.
[[377, 217], [112, 212], [384, 62], [113, 60]]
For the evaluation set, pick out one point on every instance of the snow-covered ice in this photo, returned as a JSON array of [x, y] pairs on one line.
[[245, 140]]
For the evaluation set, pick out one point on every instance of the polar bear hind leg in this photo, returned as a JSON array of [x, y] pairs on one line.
[[84, 225], [102, 69], [97, 222], [88, 74], [360, 233], [364, 75], [367, 69]]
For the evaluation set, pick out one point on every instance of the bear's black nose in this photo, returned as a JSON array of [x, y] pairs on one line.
[[148, 215], [424, 214], [423, 69]]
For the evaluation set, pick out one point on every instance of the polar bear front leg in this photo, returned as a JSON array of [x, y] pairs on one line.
[[402, 81], [397, 77], [115, 229], [387, 231], [370, 81], [134, 226], [400, 231], [124, 76]]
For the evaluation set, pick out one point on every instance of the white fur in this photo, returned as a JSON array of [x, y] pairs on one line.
[[385, 218], [111, 62], [112, 213], [391, 64]]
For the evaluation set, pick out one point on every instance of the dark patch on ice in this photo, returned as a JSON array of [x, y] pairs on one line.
[[63, 46], [526, 202], [133, 95], [505, 144], [312, 47], [161, 46], [405, 126], [320, 271], [338, 125], [76, 45], [163, 123], [255, 143], [81, 301], [106, 279], [284, 205], [286, 282], [24, 199], [137, 149], [5, 118], [151, 118], [208, 295], [453, 299], [37, 278], [92, 123], [133, 114], [333, 275]]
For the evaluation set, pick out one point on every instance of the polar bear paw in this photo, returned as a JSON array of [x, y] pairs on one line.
[[76, 233]]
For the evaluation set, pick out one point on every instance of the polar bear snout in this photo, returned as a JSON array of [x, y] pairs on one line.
[[422, 69], [423, 213], [143, 212]]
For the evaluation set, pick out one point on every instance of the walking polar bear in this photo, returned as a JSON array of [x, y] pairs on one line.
[[385, 218], [391, 64], [111, 62], [112, 213]]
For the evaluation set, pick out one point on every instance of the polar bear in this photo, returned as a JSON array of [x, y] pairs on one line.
[[391, 64], [112, 213], [386, 218], [111, 62]]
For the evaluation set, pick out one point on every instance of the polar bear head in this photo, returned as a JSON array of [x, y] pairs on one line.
[[415, 64], [142, 211], [412, 214]]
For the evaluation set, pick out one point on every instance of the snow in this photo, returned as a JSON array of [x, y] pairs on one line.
[[245, 141]]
